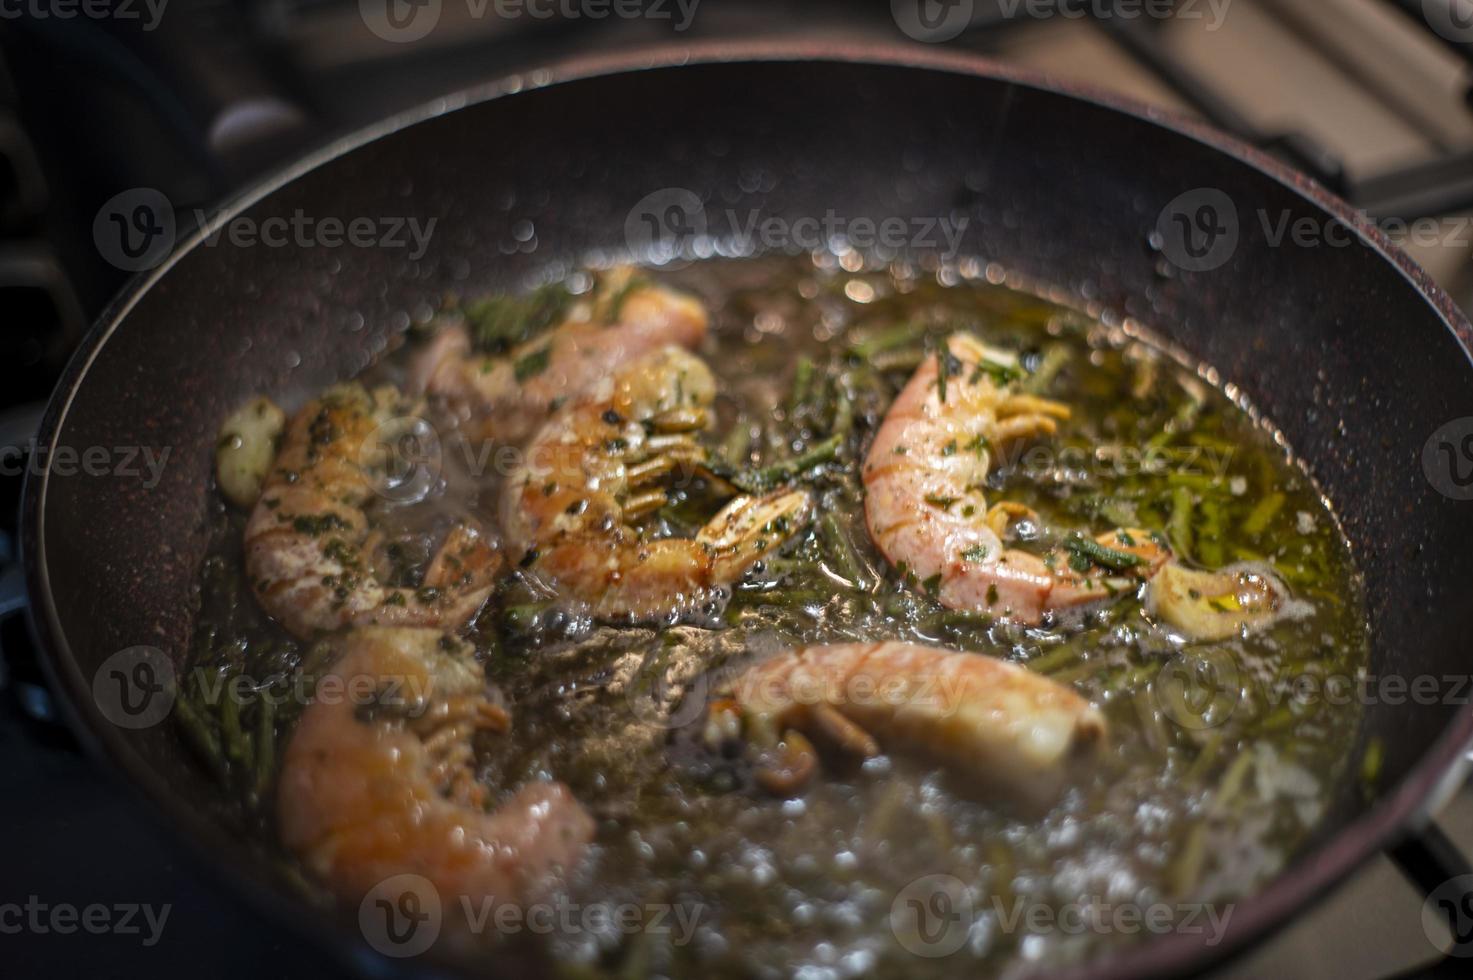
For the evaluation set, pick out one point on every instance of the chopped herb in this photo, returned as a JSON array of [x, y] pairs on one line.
[[779, 472], [317, 524], [500, 323], [1000, 374], [947, 365], [532, 364], [1087, 551], [936, 500], [932, 585], [977, 552]]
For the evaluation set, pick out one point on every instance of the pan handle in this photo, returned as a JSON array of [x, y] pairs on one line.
[[19, 673], [1441, 872], [223, 104]]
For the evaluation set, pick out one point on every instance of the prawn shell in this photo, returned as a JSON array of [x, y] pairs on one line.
[[1008, 730], [357, 801]]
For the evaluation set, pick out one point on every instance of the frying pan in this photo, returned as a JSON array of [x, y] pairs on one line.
[[1348, 347]]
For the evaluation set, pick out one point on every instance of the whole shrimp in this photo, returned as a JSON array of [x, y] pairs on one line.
[[377, 779], [925, 478], [1013, 731], [507, 397], [926, 507], [308, 541], [596, 468]]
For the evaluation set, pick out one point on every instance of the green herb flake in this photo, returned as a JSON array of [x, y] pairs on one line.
[[533, 364], [500, 323], [317, 524], [1086, 552]]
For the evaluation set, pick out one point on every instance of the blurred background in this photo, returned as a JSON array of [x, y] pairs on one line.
[[196, 98]]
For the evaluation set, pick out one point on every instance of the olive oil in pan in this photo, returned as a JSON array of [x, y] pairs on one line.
[[1203, 796]]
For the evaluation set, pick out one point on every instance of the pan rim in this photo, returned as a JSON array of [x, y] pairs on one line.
[[1410, 805]]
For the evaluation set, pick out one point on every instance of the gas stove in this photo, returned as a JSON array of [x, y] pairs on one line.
[[195, 97]]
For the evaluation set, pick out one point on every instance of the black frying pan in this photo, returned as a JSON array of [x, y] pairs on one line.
[[1351, 349]]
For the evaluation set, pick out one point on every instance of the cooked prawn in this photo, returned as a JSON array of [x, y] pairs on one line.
[[925, 479], [507, 397], [308, 542], [1015, 731], [377, 786], [926, 508], [596, 468]]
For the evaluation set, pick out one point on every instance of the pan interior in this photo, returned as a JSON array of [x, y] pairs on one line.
[[1322, 339]]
